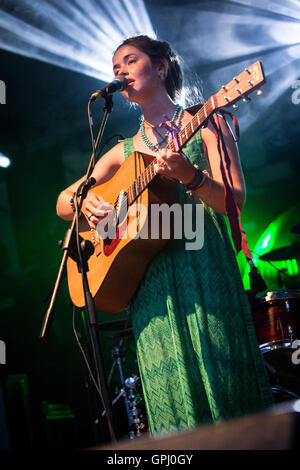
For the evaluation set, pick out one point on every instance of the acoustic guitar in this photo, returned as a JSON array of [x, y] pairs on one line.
[[120, 260]]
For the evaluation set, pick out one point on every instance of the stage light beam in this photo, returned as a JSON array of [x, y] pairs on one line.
[[79, 36], [225, 37]]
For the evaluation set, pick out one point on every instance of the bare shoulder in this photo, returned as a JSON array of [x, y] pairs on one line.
[[115, 155], [109, 163], [208, 132], [209, 139], [210, 146]]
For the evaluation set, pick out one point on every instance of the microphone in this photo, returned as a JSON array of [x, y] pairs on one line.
[[118, 84]]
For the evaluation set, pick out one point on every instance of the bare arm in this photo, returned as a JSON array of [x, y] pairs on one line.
[[104, 170]]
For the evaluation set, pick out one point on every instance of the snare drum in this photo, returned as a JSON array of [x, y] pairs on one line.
[[277, 323]]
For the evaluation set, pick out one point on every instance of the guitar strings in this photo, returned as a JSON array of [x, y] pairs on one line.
[[148, 174]]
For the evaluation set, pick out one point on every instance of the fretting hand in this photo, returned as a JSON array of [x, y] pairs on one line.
[[174, 165]]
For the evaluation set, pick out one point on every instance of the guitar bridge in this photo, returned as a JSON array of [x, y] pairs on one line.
[[121, 207]]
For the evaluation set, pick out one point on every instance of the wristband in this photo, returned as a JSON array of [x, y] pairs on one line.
[[197, 181]]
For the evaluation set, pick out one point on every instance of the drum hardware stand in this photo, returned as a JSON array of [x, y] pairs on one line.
[[128, 392], [128, 386], [279, 278], [278, 388], [81, 256], [257, 284]]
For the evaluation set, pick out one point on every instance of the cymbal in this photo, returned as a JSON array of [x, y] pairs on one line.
[[296, 229], [283, 253]]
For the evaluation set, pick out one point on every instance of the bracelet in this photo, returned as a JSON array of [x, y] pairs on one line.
[[201, 180], [72, 203], [197, 181]]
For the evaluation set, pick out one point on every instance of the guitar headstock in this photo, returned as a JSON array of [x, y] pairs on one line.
[[240, 86]]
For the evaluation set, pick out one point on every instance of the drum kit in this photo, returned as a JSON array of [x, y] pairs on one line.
[[276, 318]]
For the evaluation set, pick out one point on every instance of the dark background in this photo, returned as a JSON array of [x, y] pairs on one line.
[[44, 130]]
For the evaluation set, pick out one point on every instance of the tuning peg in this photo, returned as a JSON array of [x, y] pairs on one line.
[[259, 92], [235, 107], [246, 99]]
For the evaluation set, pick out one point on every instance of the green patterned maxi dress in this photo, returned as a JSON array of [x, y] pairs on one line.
[[197, 349]]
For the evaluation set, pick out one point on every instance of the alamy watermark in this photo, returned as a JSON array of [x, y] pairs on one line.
[[2, 92], [2, 352], [296, 94], [296, 354], [187, 222]]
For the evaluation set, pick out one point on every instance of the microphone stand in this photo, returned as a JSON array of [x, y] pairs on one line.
[[69, 246], [257, 284]]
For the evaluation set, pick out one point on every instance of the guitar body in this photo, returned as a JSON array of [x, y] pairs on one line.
[[118, 265]]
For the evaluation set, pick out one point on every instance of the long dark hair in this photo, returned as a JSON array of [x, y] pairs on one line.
[[158, 50]]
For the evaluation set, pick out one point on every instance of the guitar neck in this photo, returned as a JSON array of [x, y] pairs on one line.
[[183, 136], [246, 82], [194, 124]]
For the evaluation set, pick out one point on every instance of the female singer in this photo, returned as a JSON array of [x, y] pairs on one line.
[[197, 351]]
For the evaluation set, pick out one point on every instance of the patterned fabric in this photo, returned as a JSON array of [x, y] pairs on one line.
[[197, 350]]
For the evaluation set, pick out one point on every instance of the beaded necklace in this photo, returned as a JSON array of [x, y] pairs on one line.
[[145, 138]]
